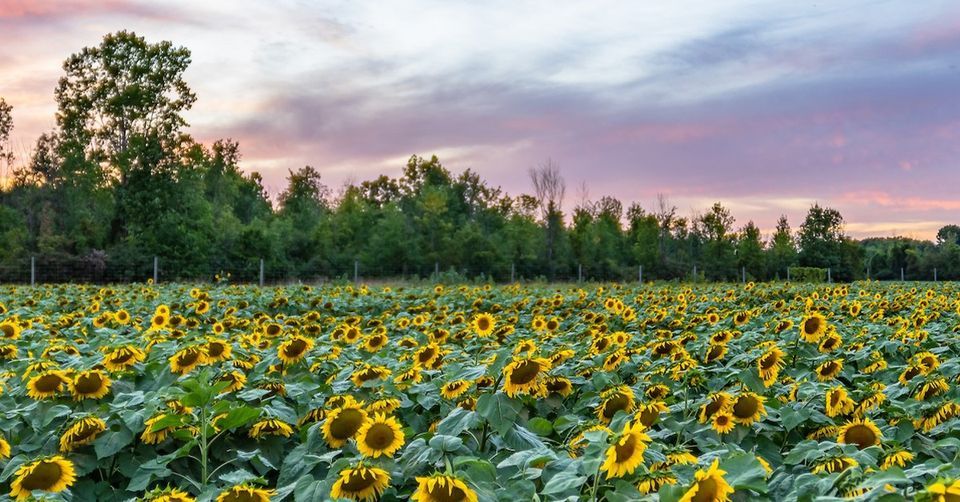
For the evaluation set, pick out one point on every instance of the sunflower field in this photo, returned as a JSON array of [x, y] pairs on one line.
[[672, 392]]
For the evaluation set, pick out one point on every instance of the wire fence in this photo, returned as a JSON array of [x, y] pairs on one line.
[[106, 270]]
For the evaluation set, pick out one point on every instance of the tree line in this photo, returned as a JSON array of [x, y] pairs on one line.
[[119, 181]]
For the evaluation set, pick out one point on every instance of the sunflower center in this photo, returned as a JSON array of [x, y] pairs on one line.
[[359, 481], [483, 324], [524, 373], [7, 330], [861, 435], [706, 490], [214, 349], [85, 430], [380, 436], [241, 496], [745, 407], [768, 361], [834, 398], [625, 448], [121, 358], [811, 326], [346, 424], [614, 404], [444, 492], [43, 477], [48, 383], [188, 358], [723, 420], [295, 348], [88, 384]]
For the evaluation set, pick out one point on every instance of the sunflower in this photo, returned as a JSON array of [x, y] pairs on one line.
[[651, 481], [51, 474], [718, 401], [898, 458], [454, 389], [218, 350], [342, 424], [4, 448], [834, 464], [186, 359], [484, 324], [708, 485], [166, 494], [649, 413], [829, 370], [813, 327], [522, 375], [375, 342], [92, 384], [380, 435], [426, 355], [561, 386], [838, 403], [294, 349], [47, 384], [861, 432], [360, 483], [369, 374], [619, 398], [123, 357], [270, 427], [9, 330], [235, 380], [769, 364], [748, 408], [626, 453], [722, 422], [443, 488], [151, 436], [84, 431], [245, 493]]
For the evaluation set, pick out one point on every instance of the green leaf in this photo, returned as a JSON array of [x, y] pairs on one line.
[[446, 444], [744, 472], [540, 426], [500, 411], [564, 482], [111, 442]]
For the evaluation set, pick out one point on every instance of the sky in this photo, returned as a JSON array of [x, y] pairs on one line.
[[765, 106]]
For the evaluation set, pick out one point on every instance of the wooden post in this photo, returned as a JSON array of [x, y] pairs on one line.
[[356, 272], [580, 272], [33, 270], [156, 263], [901, 274], [513, 272], [829, 276], [640, 274], [261, 272]]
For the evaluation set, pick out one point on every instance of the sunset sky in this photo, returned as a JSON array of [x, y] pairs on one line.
[[766, 106]]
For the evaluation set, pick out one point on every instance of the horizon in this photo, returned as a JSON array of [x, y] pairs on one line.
[[852, 106]]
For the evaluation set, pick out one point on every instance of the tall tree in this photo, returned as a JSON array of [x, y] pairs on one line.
[[550, 189], [782, 252]]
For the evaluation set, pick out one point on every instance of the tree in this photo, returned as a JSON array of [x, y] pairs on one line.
[[824, 245], [782, 252], [6, 126], [550, 189], [714, 228], [122, 94], [750, 250]]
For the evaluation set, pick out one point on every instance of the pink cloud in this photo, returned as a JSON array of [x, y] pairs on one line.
[[884, 199], [11, 9]]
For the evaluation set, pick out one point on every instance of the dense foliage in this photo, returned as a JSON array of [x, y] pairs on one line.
[[118, 181], [710, 392]]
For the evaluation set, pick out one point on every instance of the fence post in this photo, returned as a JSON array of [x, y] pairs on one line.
[[156, 262], [743, 275], [640, 274], [356, 272], [901, 274], [694, 273], [829, 277], [788, 274], [513, 272], [934, 274], [580, 272], [261, 272], [33, 270], [436, 269]]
